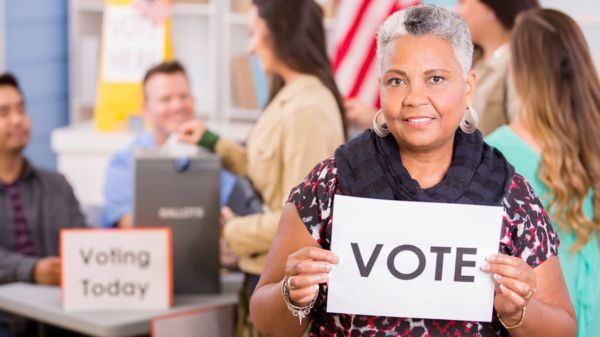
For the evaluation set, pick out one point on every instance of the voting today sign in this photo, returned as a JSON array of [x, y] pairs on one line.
[[116, 269], [413, 259]]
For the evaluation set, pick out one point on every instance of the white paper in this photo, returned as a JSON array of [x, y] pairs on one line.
[[109, 270], [369, 222], [174, 148], [131, 44]]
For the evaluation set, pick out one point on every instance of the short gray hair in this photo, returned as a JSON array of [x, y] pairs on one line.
[[428, 20]]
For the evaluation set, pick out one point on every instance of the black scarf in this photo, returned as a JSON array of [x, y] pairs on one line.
[[370, 167]]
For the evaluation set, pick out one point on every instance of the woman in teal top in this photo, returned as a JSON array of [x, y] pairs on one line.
[[556, 145]]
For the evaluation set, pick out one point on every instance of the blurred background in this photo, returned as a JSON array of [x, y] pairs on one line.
[[52, 46]]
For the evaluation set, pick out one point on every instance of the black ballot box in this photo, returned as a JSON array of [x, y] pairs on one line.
[[183, 194]]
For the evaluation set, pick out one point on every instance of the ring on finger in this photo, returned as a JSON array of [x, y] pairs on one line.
[[531, 292], [289, 283]]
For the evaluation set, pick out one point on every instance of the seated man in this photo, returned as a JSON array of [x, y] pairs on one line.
[[34, 205], [168, 103]]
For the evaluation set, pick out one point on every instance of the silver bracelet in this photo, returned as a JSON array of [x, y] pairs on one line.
[[299, 312]]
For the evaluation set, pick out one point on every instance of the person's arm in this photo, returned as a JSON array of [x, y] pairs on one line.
[[251, 234], [549, 311], [15, 267], [294, 253], [307, 139], [233, 154]]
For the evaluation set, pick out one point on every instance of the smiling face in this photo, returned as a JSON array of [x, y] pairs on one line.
[[168, 101], [423, 93]]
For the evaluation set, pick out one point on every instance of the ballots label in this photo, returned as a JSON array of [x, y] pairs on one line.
[[116, 269]]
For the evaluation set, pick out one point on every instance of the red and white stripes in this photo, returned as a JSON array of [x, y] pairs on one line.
[[155, 10], [354, 61]]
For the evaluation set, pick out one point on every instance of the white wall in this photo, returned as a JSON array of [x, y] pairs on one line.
[[587, 14]]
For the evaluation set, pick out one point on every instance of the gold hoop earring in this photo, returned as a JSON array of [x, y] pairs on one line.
[[469, 126], [379, 130]]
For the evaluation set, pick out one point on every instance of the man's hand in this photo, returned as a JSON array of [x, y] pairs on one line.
[[47, 271], [126, 221]]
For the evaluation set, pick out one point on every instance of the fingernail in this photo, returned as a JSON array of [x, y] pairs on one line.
[[331, 267], [317, 287], [491, 258], [497, 277], [486, 267], [502, 287]]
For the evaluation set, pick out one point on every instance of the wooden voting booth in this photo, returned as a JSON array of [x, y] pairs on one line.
[[131, 44]]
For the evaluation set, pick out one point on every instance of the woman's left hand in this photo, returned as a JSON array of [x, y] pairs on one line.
[[226, 214], [228, 257], [515, 285]]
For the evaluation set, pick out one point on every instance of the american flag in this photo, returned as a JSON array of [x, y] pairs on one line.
[[355, 61], [155, 10]]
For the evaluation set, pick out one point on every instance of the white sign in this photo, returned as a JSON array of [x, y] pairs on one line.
[[131, 44], [413, 259], [116, 269]]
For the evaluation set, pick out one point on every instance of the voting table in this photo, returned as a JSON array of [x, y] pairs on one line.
[[43, 304]]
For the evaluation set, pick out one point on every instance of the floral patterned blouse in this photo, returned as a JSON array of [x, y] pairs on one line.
[[527, 233]]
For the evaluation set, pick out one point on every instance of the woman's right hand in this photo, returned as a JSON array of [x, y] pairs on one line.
[[191, 131], [307, 268]]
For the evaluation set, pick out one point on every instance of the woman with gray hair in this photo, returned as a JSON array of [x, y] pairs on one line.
[[429, 150]]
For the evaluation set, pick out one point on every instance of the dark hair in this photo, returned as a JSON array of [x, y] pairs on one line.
[[507, 10], [166, 67], [298, 36], [10, 80], [557, 82]]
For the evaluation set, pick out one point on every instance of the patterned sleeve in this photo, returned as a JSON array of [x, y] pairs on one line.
[[313, 199], [527, 232]]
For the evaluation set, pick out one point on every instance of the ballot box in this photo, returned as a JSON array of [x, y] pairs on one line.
[[182, 193]]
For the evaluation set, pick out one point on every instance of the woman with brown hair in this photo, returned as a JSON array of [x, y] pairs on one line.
[[556, 145], [301, 125], [491, 23]]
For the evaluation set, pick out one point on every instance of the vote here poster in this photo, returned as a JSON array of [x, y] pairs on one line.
[[413, 259], [131, 44]]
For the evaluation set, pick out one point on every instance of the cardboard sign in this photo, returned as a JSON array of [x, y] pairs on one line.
[[209, 322], [116, 269], [412, 259], [131, 44]]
